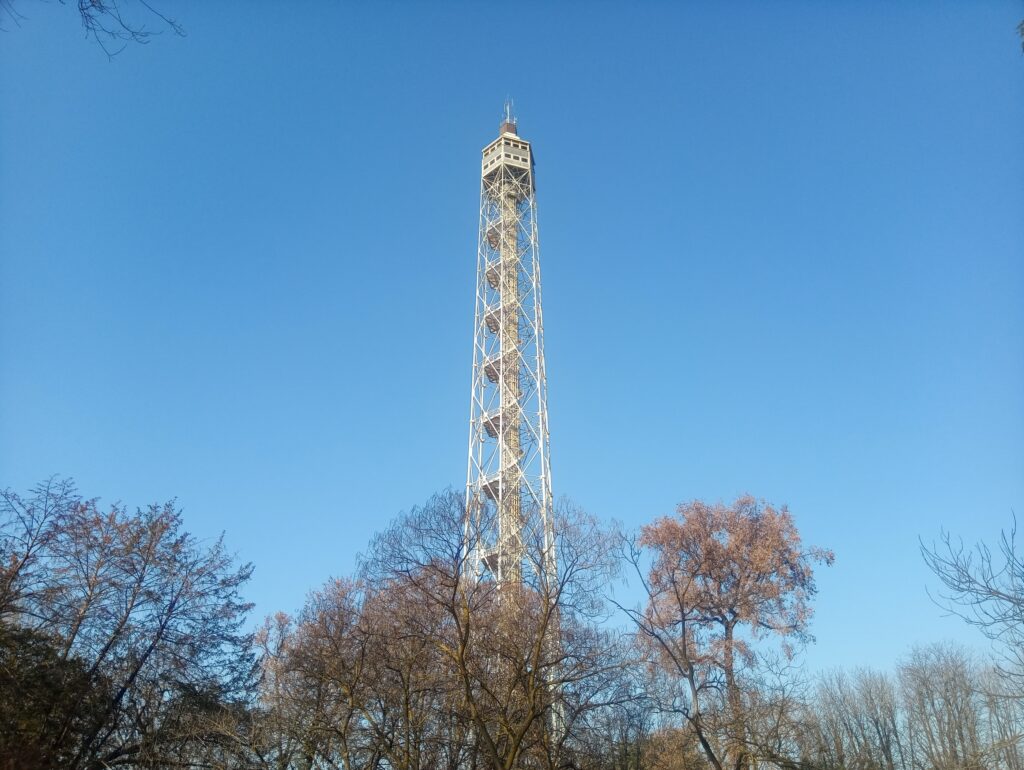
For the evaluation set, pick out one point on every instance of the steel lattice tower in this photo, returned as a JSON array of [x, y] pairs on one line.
[[508, 488]]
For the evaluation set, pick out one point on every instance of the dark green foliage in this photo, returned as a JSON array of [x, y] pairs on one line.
[[122, 635], [47, 702]]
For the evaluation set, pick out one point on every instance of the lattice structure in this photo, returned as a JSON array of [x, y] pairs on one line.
[[508, 489]]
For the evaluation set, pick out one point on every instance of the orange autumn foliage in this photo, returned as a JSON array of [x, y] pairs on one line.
[[718, 566], [721, 578]]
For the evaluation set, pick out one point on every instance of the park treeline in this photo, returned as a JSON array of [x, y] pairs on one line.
[[126, 642]]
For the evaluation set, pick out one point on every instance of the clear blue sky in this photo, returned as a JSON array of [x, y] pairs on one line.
[[783, 251]]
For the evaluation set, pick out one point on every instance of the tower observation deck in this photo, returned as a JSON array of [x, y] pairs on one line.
[[508, 488]]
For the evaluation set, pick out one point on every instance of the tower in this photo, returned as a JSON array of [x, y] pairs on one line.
[[508, 487]]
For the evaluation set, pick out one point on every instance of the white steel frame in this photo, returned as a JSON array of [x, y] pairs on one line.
[[508, 486]]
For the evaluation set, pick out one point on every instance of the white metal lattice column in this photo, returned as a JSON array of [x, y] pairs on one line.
[[508, 488]]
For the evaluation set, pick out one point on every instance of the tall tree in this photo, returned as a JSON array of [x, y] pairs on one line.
[[527, 662], [419, 663], [720, 579]]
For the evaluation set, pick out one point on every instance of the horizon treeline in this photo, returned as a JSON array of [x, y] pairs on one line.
[[126, 642]]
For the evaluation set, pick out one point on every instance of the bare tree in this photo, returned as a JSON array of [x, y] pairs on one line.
[[985, 588], [145, 621], [942, 711], [1003, 722], [853, 722], [529, 662], [943, 717], [113, 24]]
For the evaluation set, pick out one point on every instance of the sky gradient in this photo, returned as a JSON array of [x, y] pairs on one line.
[[782, 245]]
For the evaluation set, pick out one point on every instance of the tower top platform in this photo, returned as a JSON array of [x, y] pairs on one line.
[[508, 150]]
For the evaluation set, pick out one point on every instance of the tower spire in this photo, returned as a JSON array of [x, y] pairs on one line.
[[508, 121]]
